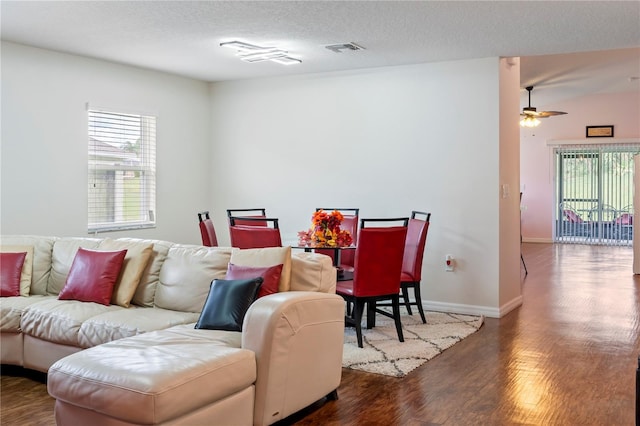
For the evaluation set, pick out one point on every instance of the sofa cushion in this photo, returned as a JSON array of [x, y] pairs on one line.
[[135, 262], [64, 251], [313, 272], [269, 256], [109, 326], [270, 276], [156, 376], [227, 304], [12, 308], [93, 275], [27, 267], [59, 321], [186, 276], [41, 264], [10, 272]]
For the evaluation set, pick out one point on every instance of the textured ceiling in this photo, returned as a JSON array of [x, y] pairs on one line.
[[183, 37]]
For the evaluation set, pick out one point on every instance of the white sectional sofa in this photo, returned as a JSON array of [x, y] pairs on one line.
[[139, 360]]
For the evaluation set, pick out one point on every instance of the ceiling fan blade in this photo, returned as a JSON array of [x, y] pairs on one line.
[[544, 114], [530, 111]]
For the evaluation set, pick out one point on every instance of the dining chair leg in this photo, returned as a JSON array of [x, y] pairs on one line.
[[371, 314], [395, 301], [418, 297], [358, 310], [405, 298]]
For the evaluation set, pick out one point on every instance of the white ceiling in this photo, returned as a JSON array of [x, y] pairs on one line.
[[568, 48]]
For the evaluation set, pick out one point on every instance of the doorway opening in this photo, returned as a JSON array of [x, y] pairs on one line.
[[594, 194]]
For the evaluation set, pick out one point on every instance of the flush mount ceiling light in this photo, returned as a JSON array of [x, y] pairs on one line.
[[253, 53], [338, 48]]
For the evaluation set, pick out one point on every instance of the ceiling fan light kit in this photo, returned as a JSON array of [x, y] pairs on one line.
[[530, 115], [529, 122]]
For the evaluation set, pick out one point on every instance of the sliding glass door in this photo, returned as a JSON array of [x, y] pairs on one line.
[[594, 194]]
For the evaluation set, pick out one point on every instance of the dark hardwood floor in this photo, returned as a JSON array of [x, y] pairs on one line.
[[568, 356]]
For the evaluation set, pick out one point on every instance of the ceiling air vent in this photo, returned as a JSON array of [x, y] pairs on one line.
[[338, 48]]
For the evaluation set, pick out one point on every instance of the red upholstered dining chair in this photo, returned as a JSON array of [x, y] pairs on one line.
[[207, 231], [251, 236], [412, 261], [377, 266], [349, 223], [240, 214]]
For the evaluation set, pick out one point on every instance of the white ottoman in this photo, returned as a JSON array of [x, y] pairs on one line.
[[175, 376]]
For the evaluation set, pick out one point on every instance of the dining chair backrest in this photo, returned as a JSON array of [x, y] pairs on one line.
[[384, 222], [378, 258], [247, 236], [207, 231], [414, 245], [350, 223], [240, 214]]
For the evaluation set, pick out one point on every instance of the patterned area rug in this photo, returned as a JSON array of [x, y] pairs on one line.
[[384, 354]]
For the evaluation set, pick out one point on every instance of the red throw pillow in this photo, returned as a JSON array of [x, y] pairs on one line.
[[269, 274], [92, 276], [10, 272]]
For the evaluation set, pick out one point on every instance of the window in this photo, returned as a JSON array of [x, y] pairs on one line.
[[122, 171]]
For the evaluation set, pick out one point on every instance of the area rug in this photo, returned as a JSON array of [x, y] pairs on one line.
[[384, 354]]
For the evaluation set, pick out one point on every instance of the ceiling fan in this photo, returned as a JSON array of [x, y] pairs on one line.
[[530, 115]]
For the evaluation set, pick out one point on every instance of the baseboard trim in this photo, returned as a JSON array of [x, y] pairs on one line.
[[458, 308], [510, 306], [537, 240]]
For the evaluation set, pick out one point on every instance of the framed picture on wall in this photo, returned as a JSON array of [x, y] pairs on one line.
[[599, 131]]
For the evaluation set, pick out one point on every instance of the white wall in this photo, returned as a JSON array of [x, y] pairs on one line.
[[622, 110], [44, 141], [386, 140]]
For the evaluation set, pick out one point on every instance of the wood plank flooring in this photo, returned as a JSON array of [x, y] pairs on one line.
[[568, 356]]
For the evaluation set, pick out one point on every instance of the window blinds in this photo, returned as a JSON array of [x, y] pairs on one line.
[[594, 193], [122, 171]]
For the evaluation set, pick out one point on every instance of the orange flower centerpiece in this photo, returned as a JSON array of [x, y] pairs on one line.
[[325, 231]]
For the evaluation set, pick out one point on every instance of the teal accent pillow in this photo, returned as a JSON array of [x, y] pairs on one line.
[[227, 303]]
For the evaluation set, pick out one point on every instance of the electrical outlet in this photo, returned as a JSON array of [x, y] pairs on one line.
[[449, 263]]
